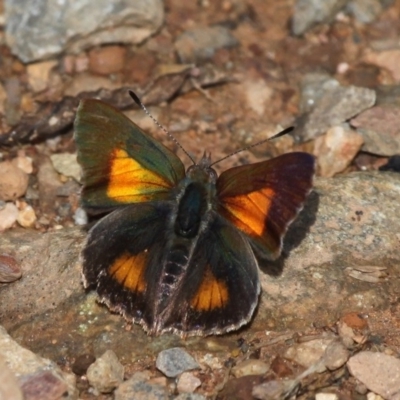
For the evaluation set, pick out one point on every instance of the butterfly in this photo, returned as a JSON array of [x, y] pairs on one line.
[[178, 250]]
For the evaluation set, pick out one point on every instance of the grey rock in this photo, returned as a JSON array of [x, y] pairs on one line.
[[307, 13], [190, 396], [336, 355], [380, 129], [138, 388], [379, 372], [41, 29], [365, 11], [332, 106], [35, 374], [201, 43], [172, 362], [106, 373]]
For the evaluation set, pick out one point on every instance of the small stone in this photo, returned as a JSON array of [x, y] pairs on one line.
[[67, 165], [10, 269], [26, 216], [387, 59], [49, 183], [139, 388], [201, 43], [380, 129], [8, 216], [374, 396], [174, 361], [336, 149], [379, 372], [307, 13], [82, 363], [43, 385], [257, 93], [326, 396], [190, 396], [106, 373], [272, 389], [365, 11], [80, 216], [39, 74], [336, 355], [23, 163], [107, 60], [13, 181], [188, 383], [308, 353], [250, 367], [335, 105]]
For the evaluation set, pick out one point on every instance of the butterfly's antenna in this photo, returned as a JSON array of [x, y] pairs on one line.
[[141, 105], [279, 134]]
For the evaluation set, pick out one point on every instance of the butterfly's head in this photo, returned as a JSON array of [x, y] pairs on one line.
[[202, 171]]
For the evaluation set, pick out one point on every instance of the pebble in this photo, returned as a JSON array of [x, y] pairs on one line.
[[201, 43], [308, 353], [308, 13], [336, 355], [43, 385], [272, 389], [39, 74], [107, 60], [138, 388], [80, 217], [257, 93], [250, 367], [26, 216], [380, 129], [379, 372], [10, 269], [13, 181], [374, 396], [387, 60], [326, 396], [48, 183], [336, 105], [106, 373], [82, 363], [8, 216], [365, 11], [190, 396], [23, 163], [67, 165], [174, 361], [336, 149], [188, 383]]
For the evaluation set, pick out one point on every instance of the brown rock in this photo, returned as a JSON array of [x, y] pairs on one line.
[[10, 270], [107, 60], [336, 149], [13, 181]]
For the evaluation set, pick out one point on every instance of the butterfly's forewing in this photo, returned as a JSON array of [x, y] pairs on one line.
[[121, 164], [221, 287], [262, 199]]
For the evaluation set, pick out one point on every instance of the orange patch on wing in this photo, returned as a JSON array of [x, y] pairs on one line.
[[129, 182], [211, 294], [249, 211], [128, 270]]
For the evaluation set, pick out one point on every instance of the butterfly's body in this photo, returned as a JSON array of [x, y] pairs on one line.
[[178, 253]]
